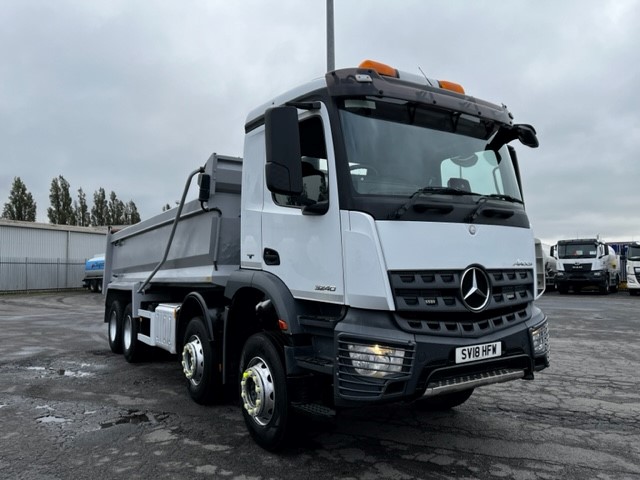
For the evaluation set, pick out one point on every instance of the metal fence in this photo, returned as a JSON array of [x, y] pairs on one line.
[[23, 274]]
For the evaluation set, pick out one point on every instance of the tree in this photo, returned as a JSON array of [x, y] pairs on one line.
[[116, 210], [99, 211], [83, 218], [20, 205], [61, 211], [131, 213]]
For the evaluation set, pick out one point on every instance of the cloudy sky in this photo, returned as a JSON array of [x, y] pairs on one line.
[[133, 95]]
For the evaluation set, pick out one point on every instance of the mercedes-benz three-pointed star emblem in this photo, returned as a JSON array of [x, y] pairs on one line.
[[475, 289]]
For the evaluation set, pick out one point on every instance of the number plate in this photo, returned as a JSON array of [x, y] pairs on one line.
[[478, 352]]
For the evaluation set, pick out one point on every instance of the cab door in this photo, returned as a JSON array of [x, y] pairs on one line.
[[301, 241]]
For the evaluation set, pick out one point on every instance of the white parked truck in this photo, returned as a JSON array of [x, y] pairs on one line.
[[633, 268], [371, 246], [586, 262]]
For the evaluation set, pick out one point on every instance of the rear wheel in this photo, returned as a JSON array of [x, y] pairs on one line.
[[199, 364], [263, 391], [114, 326], [134, 350], [445, 401], [563, 289]]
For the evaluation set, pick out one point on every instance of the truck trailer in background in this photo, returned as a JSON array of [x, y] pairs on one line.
[[93, 272], [371, 246]]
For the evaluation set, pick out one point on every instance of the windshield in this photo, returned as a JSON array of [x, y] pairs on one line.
[[634, 252], [577, 250], [399, 148]]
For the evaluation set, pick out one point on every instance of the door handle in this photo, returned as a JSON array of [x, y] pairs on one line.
[[271, 257]]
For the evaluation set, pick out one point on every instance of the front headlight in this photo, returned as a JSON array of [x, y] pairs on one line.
[[540, 339], [376, 360]]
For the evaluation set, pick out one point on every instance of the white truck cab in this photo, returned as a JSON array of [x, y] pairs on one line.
[[586, 262], [633, 268]]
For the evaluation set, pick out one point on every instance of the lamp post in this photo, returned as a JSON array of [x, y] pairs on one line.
[[331, 55]]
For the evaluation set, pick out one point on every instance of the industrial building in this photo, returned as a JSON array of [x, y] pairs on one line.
[[40, 256]]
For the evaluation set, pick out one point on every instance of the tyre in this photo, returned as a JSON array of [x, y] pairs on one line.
[[114, 326], [200, 364], [563, 289], [93, 287], [263, 391], [604, 287], [633, 292], [134, 350], [446, 401], [614, 287]]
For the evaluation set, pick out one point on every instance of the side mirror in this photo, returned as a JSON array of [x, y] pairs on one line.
[[283, 170], [527, 135], [204, 181]]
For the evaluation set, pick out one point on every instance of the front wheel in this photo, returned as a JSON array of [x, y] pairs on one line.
[[263, 391], [200, 365], [615, 286]]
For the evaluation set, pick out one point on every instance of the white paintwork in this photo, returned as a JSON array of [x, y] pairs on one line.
[[309, 246], [446, 246], [366, 282], [253, 192]]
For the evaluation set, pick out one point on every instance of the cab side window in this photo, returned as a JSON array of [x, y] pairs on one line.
[[314, 167]]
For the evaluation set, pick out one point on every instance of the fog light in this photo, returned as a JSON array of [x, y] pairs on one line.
[[597, 274], [540, 339], [375, 360]]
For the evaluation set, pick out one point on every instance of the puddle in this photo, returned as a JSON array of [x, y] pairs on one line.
[[51, 419], [134, 417]]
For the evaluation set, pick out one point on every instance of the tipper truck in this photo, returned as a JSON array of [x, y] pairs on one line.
[[371, 246]]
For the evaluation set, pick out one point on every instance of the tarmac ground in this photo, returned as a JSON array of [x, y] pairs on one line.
[[70, 408]]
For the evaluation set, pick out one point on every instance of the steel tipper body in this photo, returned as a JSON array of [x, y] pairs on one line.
[[586, 262], [384, 254]]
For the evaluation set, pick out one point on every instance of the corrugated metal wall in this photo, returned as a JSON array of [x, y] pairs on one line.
[[42, 257]]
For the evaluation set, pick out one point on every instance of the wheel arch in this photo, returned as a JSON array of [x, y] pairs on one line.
[[247, 285], [194, 305]]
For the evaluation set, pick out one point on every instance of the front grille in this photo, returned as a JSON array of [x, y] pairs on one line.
[[577, 267], [431, 302]]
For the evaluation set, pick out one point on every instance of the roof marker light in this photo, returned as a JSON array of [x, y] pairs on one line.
[[381, 68], [454, 87]]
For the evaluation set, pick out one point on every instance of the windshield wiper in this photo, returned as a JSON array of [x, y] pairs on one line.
[[492, 212], [439, 207], [501, 196]]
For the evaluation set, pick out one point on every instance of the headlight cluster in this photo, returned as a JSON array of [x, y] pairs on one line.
[[375, 360], [540, 339]]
